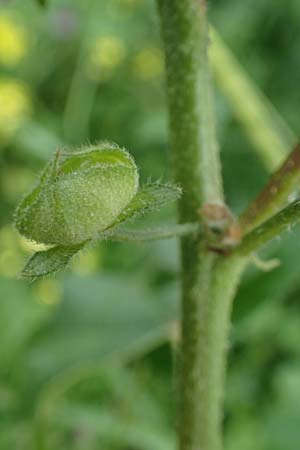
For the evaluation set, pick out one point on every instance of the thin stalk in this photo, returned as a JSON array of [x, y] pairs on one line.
[[152, 234], [208, 280], [266, 129]]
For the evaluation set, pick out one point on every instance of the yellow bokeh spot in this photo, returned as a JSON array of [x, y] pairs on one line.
[[15, 104], [13, 249], [11, 257], [48, 292], [30, 246], [8, 237], [86, 263], [148, 64], [105, 55], [10, 263], [13, 41]]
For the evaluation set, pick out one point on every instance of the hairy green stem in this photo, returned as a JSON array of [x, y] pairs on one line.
[[208, 280], [192, 128], [209, 284], [152, 234]]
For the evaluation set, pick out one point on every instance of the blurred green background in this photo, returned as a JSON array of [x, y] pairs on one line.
[[87, 358]]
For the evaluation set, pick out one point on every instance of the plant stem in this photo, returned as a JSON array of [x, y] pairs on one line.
[[208, 289], [208, 280], [270, 136], [192, 128], [282, 184], [152, 234]]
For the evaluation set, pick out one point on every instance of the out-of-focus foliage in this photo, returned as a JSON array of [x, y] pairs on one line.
[[87, 358]]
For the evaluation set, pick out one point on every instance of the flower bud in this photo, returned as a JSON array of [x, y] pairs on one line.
[[79, 194]]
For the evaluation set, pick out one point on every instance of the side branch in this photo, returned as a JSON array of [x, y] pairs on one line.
[[275, 194], [152, 234], [281, 221]]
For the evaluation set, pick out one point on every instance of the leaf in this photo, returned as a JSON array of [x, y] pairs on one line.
[[102, 319], [115, 428], [273, 286], [138, 424], [42, 2], [20, 316], [46, 262]]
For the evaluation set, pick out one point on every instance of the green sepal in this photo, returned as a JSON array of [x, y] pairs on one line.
[[150, 197], [49, 261]]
